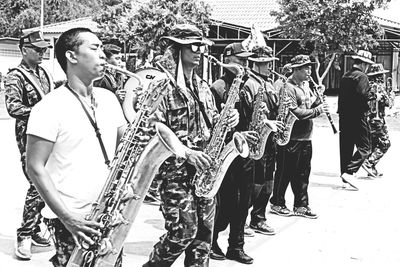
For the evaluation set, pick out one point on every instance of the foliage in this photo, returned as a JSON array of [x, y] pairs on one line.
[[141, 25], [22, 14], [330, 27]]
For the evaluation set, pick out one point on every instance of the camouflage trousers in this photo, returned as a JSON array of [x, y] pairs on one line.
[[64, 244], [380, 141], [189, 221], [31, 216]]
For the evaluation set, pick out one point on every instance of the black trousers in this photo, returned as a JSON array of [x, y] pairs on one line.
[[263, 181], [233, 200], [293, 166], [354, 132]]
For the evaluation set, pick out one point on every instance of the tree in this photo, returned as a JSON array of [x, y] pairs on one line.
[[141, 25], [330, 27], [22, 14]]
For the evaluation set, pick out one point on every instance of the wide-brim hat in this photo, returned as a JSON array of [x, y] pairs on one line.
[[300, 61], [363, 55], [262, 54], [237, 49], [36, 39], [376, 69], [186, 34]]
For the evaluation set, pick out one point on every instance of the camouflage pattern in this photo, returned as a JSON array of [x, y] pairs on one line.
[[379, 133], [189, 220], [31, 216], [20, 97], [64, 243], [380, 141], [108, 82]]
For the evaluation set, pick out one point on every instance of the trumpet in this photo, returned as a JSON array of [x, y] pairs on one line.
[[322, 98]]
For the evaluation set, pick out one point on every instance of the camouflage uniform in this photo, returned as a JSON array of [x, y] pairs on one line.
[[189, 219], [21, 96], [379, 133], [108, 82]]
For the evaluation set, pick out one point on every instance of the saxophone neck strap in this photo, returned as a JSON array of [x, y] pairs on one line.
[[93, 123]]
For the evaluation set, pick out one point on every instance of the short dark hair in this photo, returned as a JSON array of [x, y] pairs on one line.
[[68, 40], [111, 49]]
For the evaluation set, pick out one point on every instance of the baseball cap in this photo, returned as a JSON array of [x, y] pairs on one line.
[[236, 49], [34, 38]]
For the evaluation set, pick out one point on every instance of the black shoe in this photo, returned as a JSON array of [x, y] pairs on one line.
[[239, 256], [217, 254], [39, 241], [375, 172], [262, 228]]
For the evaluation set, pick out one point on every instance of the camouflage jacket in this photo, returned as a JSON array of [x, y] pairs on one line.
[[21, 96], [108, 82]]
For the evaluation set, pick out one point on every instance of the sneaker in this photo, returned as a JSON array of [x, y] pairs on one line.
[[262, 228], [39, 241], [305, 212], [280, 210], [375, 172], [216, 253], [368, 170], [248, 232], [349, 179], [23, 249]]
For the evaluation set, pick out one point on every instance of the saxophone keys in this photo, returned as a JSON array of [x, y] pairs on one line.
[[105, 246]]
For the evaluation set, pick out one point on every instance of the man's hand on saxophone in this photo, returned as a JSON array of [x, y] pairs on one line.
[[198, 159], [233, 118], [81, 229], [251, 136]]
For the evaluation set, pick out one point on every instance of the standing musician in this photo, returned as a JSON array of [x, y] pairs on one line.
[[189, 110], [65, 159], [379, 133], [235, 191], [294, 159], [265, 167], [354, 95], [25, 86]]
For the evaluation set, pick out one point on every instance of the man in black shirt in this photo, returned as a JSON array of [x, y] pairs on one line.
[[353, 118]]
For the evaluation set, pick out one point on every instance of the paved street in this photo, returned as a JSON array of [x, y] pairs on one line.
[[353, 229]]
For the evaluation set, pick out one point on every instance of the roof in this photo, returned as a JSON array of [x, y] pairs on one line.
[[61, 27], [245, 12]]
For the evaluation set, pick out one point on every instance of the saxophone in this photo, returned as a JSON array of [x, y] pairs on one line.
[[284, 114], [207, 182], [257, 123], [133, 167]]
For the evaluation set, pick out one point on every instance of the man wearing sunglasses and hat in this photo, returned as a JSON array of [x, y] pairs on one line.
[[189, 110], [294, 159], [354, 95], [235, 191], [379, 133], [25, 86]]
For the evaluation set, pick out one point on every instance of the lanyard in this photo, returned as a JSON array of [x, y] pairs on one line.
[[93, 122]]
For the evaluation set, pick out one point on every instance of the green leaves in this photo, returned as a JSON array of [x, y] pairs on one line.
[[142, 25]]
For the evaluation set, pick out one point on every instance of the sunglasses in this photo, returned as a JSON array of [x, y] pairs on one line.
[[37, 49], [198, 47]]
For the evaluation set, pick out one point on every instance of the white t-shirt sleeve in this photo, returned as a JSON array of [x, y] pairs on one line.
[[43, 121]]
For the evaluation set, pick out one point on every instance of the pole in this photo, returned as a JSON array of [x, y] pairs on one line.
[[41, 15]]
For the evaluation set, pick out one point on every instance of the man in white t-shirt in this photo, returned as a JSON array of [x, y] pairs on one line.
[[64, 156]]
